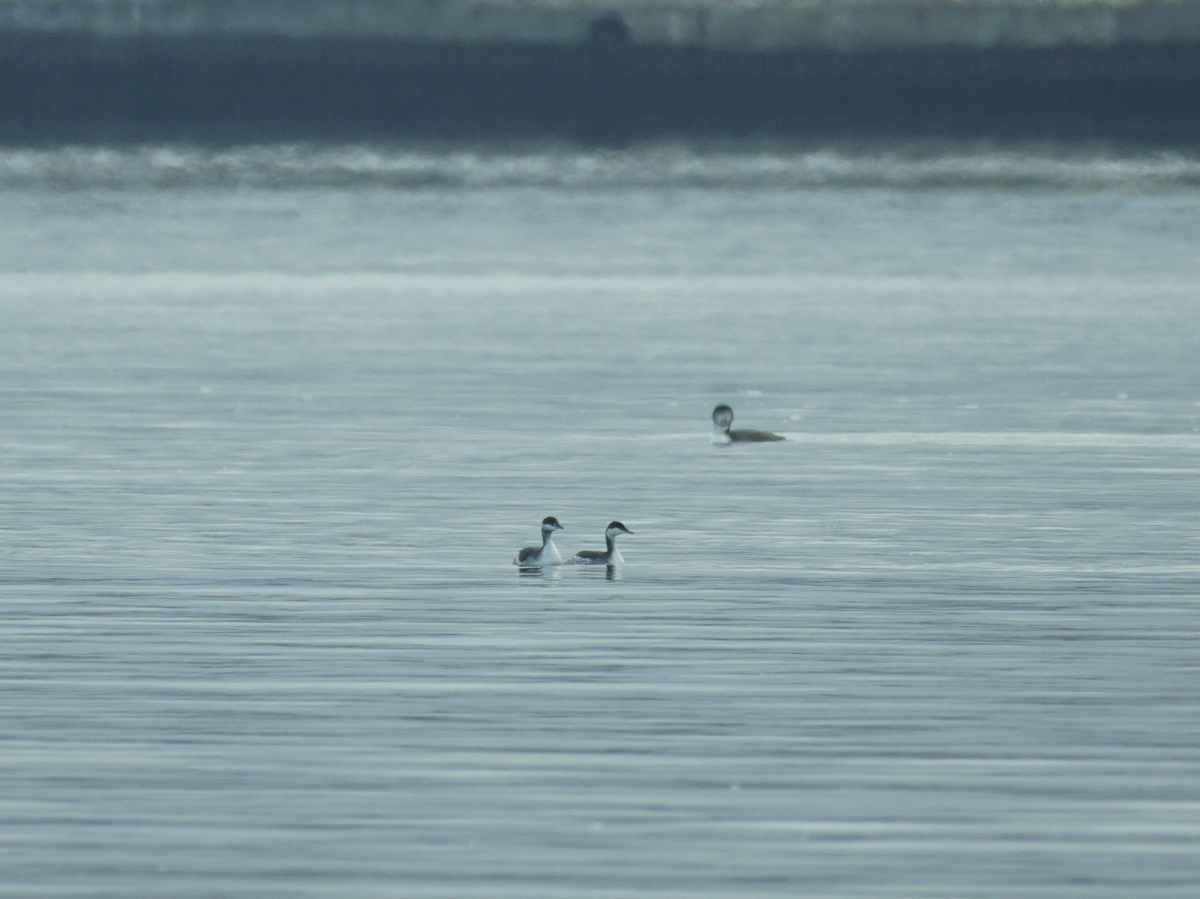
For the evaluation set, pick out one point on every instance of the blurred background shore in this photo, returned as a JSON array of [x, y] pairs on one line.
[[608, 72]]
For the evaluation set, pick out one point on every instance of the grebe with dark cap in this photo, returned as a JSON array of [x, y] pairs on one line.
[[723, 418], [547, 553], [610, 556]]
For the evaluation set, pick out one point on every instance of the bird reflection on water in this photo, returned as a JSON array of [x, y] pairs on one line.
[[550, 573], [554, 573]]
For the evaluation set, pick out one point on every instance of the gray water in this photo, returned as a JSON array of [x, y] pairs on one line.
[[275, 422]]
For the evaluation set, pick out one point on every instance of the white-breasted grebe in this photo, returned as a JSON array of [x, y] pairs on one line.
[[547, 553], [723, 417], [610, 556]]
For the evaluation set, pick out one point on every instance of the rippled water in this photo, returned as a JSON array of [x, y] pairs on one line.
[[270, 442]]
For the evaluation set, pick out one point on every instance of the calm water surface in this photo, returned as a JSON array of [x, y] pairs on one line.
[[275, 423]]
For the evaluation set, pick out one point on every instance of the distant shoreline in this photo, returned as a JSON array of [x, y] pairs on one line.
[[744, 26], [228, 72]]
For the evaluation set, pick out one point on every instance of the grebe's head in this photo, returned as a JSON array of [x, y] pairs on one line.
[[614, 528], [722, 417], [550, 523]]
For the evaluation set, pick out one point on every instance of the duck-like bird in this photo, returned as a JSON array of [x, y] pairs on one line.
[[547, 553], [610, 556], [723, 417]]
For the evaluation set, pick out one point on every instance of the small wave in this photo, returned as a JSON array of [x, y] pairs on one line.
[[893, 166]]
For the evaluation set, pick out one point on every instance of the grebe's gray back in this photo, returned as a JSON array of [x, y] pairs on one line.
[[722, 417], [547, 553], [610, 556]]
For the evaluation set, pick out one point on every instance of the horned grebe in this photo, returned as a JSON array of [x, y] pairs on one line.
[[547, 553], [609, 556], [723, 418]]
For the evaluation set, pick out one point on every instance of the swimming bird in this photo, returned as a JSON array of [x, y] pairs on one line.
[[547, 553], [610, 556], [722, 417]]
